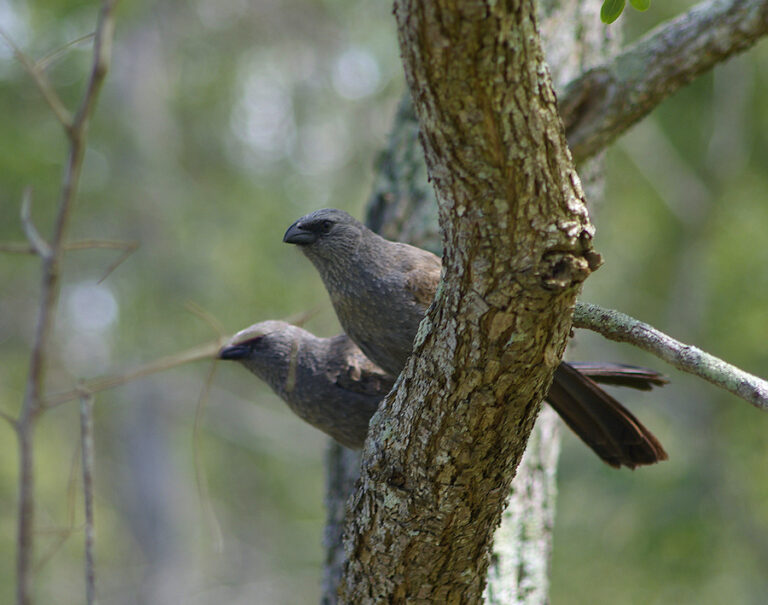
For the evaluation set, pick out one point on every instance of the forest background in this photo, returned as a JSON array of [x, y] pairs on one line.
[[219, 124]]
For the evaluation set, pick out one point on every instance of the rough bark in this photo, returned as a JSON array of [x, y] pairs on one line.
[[574, 39], [437, 468], [403, 207]]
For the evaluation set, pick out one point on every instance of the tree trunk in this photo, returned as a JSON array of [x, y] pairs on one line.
[[402, 207], [443, 449]]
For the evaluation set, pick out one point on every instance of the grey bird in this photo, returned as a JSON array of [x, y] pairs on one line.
[[327, 382], [381, 290], [330, 384]]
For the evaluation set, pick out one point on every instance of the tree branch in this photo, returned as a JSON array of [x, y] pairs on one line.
[[56, 54], [95, 385], [45, 88], [623, 328], [606, 100], [86, 447], [86, 244], [49, 292], [37, 243]]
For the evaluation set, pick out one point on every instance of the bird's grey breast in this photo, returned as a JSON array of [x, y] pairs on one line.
[[379, 315]]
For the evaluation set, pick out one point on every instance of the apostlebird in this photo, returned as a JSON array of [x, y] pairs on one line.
[[327, 382], [330, 384], [381, 290]]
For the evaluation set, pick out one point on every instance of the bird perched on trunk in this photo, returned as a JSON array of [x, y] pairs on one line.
[[381, 290], [327, 382], [330, 384]]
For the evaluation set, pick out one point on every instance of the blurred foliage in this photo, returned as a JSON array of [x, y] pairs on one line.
[[221, 122]]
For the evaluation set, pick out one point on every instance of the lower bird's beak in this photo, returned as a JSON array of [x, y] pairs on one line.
[[234, 352], [296, 234]]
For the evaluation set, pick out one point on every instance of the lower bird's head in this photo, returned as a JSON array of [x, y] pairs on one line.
[[268, 349], [326, 234]]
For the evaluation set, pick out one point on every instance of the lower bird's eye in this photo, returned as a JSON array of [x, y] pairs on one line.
[[326, 226]]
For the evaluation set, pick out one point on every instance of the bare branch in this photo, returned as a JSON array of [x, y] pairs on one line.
[[49, 291], [10, 420], [86, 244], [49, 94], [606, 100], [299, 319], [128, 249], [207, 317], [62, 534], [86, 447], [102, 53], [17, 248], [38, 245], [623, 328], [43, 63], [97, 385], [109, 244], [201, 478]]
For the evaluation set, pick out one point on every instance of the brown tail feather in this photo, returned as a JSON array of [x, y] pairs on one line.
[[605, 425], [620, 374]]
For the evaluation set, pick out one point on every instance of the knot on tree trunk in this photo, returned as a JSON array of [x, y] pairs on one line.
[[563, 270]]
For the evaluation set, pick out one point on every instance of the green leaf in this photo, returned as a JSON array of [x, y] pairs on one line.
[[611, 10], [641, 5]]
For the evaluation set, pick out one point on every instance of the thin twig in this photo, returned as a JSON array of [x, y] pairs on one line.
[[86, 446], [42, 64], [62, 534], [128, 249], [299, 319], [36, 241], [96, 385], [623, 328], [10, 420], [109, 244], [200, 476], [49, 292], [17, 248], [102, 54], [207, 317], [49, 94], [86, 244]]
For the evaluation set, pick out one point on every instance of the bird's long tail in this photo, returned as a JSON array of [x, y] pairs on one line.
[[606, 426]]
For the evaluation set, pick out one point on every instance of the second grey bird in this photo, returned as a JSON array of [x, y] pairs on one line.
[[327, 382], [330, 384], [381, 290]]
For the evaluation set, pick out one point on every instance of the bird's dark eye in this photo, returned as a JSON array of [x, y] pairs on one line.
[[326, 226], [257, 342]]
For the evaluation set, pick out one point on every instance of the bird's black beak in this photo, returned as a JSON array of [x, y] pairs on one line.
[[297, 234], [234, 352]]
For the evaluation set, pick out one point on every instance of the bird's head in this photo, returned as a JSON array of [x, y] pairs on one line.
[[267, 349], [326, 234]]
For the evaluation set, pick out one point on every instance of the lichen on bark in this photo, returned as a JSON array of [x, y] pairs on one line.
[[444, 447]]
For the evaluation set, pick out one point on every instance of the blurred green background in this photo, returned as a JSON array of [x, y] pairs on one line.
[[222, 122]]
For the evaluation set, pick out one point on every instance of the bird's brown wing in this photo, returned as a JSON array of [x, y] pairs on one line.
[[422, 273], [353, 371]]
